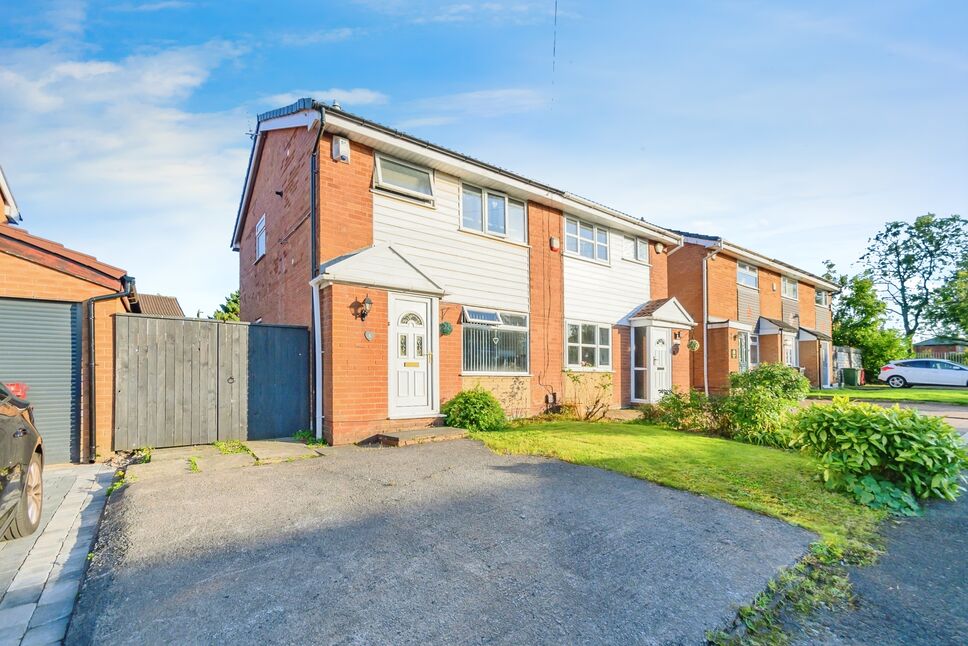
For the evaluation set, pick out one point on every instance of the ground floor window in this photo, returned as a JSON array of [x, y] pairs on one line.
[[494, 341], [749, 351], [589, 345]]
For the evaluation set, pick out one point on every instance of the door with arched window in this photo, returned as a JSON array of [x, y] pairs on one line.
[[411, 356]]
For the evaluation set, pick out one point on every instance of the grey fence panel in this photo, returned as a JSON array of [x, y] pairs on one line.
[[192, 381], [278, 381]]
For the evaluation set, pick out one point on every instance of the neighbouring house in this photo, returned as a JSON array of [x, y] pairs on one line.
[[158, 305], [751, 309], [422, 271], [940, 346], [51, 298]]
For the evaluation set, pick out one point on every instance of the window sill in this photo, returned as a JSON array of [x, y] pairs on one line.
[[493, 236], [594, 261], [258, 260], [495, 374], [744, 286], [636, 261], [794, 299], [581, 369], [430, 205]]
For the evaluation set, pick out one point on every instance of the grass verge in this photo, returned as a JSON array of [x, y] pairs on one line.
[[777, 483], [957, 396]]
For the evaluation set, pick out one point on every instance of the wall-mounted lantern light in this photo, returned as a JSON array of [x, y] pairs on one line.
[[367, 306]]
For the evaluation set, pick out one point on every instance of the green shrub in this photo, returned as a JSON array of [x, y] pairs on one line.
[[475, 410], [919, 454], [690, 411], [783, 382], [754, 415]]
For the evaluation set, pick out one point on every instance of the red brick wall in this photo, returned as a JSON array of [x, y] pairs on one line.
[[547, 305], [681, 362], [21, 278], [808, 307], [346, 203], [722, 346], [659, 273], [275, 287], [771, 348], [684, 269], [810, 360], [451, 353], [721, 276], [770, 306]]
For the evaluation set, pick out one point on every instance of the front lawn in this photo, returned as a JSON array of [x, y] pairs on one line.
[[770, 481], [916, 394]]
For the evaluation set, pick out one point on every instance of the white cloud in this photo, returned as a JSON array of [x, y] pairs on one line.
[[451, 108], [319, 37], [148, 7], [351, 97], [104, 157]]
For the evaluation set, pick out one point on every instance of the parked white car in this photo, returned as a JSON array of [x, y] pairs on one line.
[[924, 372]]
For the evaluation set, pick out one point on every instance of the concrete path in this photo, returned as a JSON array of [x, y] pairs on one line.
[[438, 543], [41, 573], [917, 593]]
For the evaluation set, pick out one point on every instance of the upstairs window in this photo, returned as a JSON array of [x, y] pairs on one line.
[[586, 240], [260, 237], [493, 213], [589, 345], [399, 177], [747, 275], [822, 298], [635, 249], [789, 287]]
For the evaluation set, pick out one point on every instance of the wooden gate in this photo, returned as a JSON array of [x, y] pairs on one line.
[[193, 381]]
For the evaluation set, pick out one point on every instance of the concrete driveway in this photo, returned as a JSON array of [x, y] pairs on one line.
[[444, 543]]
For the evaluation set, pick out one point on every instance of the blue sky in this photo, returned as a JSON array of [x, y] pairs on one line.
[[796, 129]]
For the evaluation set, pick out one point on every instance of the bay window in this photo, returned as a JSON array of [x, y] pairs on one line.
[[494, 341], [589, 345], [494, 213]]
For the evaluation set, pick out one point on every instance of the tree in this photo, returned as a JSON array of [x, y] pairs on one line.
[[859, 321], [229, 310], [948, 312], [909, 261]]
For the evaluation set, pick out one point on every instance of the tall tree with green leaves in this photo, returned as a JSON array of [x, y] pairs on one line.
[[230, 309], [909, 261], [860, 321], [948, 312]]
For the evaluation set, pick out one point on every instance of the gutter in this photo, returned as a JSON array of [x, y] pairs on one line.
[[705, 313], [127, 289], [317, 342], [315, 339]]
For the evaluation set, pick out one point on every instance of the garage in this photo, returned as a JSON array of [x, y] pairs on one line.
[[40, 346]]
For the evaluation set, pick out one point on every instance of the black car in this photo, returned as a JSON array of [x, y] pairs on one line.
[[21, 467]]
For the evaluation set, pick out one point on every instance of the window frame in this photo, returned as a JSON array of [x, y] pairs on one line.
[[825, 301], [596, 230], [638, 246], [485, 228], [502, 325], [599, 327], [786, 280], [743, 269], [380, 184], [260, 237]]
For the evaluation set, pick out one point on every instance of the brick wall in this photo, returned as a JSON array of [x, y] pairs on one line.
[[808, 308], [21, 278], [682, 362], [659, 273], [770, 348], [514, 393], [770, 306], [722, 347], [275, 287], [810, 360], [721, 276], [547, 305], [346, 203]]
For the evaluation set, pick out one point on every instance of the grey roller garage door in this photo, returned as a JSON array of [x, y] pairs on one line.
[[40, 345]]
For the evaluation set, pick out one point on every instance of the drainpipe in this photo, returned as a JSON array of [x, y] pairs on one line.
[[127, 289], [705, 315], [317, 363], [316, 378]]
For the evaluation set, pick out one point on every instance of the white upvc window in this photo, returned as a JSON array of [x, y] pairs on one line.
[[790, 288], [749, 351], [754, 350], [747, 274], [791, 351], [588, 345], [403, 178], [822, 298], [494, 342], [260, 237], [494, 213], [635, 249], [586, 240]]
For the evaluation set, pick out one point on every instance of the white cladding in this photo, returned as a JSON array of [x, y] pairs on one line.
[[473, 269], [605, 293]]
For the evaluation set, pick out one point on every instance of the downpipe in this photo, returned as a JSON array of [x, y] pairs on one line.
[[128, 288]]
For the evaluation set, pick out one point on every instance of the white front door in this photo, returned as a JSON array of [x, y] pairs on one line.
[[661, 369], [824, 364], [412, 387]]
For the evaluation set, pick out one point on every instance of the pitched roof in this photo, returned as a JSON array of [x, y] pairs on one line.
[[651, 307], [668, 310], [823, 336], [942, 340], [159, 305], [378, 266], [783, 325], [18, 242]]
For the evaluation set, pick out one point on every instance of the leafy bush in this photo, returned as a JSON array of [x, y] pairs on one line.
[[783, 382], [919, 454], [881, 494], [690, 411], [475, 410], [755, 415]]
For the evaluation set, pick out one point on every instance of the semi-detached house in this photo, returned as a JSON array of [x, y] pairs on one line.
[[423, 272]]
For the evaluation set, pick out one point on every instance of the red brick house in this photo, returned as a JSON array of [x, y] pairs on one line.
[[941, 346], [422, 271], [751, 309]]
